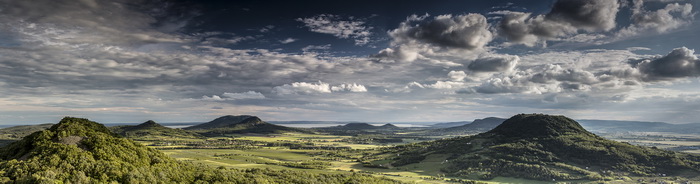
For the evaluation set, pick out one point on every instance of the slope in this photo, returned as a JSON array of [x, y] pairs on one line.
[[12, 134], [449, 124], [476, 126], [545, 147], [17, 132]]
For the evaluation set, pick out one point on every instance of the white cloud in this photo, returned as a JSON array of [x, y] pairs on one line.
[[288, 40], [244, 95], [212, 98], [345, 28], [316, 88], [444, 85], [401, 53], [303, 88], [671, 17], [349, 87], [457, 75]]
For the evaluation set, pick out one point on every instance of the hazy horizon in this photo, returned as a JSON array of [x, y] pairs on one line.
[[369, 61], [285, 122]]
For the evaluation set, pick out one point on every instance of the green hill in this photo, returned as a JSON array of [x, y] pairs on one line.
[[353, 126], [545, 147], [81, 151], [241, 124], [388, 126], [151, 129]]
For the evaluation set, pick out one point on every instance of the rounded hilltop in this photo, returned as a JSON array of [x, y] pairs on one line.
[[538, 125]]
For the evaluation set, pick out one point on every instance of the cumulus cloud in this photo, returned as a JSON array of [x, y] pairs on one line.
[[551, 72], [457, 75], [444, 85], [591, 15], [679, 63], [349, 87], [468, 31], [345, 28], [569, 72], [567, 17], [436, 85], [443, 41], [401, 53], [494, 63], [303, 88], [511, 84], [671, 17], [244, 95], [316, 88]]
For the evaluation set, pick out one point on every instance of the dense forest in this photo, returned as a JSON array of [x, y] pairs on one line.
[[81, 151]]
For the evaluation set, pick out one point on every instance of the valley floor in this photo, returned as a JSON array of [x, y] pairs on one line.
[[321, 154]]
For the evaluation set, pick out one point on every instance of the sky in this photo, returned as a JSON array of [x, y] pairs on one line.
[[128, 61]]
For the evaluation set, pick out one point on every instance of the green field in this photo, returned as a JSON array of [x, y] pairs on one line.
[[265, 152], [278, 157], [688, 143]]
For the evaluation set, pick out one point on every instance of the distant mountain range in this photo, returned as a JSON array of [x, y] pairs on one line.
[[252, 124], [545, 147]]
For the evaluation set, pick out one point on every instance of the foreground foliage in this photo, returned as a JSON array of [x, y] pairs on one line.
[[81, 151]]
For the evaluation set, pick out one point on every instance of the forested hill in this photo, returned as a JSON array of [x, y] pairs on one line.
[[151, 129], [360, 126], [241, 124], [81, 151], [546, 147]]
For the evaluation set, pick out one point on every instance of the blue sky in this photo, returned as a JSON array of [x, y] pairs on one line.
[[126, 61]]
